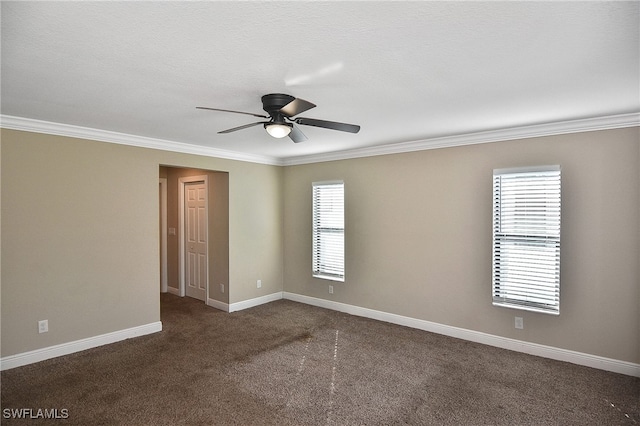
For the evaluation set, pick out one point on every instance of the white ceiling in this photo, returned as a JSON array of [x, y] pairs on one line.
[[404, 71]]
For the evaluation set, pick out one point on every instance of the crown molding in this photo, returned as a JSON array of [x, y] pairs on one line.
[[51, 128], [514, 133]]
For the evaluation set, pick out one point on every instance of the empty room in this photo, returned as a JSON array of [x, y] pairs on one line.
[[320, 213]]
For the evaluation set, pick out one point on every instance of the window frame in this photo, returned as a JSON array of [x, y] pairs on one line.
[[526, 263], [331, 268]]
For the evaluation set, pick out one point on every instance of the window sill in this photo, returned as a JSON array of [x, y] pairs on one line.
[[329, 277], [526, 308]]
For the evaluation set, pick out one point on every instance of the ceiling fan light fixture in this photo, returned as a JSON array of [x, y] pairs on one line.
[[278, 130]]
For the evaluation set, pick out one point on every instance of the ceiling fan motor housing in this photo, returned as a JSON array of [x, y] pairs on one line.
[[272, 103]]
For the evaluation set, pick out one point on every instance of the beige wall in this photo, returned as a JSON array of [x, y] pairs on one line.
[[219, 236], [418, 238], [80, 235]]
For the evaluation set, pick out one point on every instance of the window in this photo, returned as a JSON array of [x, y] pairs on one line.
[[328, 230], [526, 239]]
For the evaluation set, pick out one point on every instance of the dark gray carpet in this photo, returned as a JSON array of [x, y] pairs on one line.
[[286, 363]]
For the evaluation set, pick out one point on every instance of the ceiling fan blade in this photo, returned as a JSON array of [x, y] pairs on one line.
[[343, 127], [296, 135], [296, 107], [246, 126], [237, 112]]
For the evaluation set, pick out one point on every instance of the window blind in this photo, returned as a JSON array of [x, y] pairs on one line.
[[328, 230], [526, 239]]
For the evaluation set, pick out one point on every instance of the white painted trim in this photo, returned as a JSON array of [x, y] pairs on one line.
[[602, 363], [51, 128], [218, 305], [250, 303], [13, 361], [164, 274], [173, 290], [512, 133], [181, 223]]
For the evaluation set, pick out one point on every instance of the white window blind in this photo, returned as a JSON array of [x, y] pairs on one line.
[[328, 230], [526, 239]]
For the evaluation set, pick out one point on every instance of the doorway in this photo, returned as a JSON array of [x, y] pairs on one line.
[[213, 267]]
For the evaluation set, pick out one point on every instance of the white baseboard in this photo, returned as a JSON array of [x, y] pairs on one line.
[[246, 304], [602, 363], [218, 304], [18, 360], [173, 290]]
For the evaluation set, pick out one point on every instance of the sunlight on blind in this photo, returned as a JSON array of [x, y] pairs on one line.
[[328, 230], [526, 239]]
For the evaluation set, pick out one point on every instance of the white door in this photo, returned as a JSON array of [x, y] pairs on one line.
[[195, 232]]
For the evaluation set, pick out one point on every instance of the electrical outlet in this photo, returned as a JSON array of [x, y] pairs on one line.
[[221, 288], [43, 326], [330, 289], [259, 283], [519, 323]]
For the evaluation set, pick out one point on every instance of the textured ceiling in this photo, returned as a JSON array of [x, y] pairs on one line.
[[404, 71]]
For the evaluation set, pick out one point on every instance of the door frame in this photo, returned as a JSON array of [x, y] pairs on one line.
[[182, 182], [164, 274]]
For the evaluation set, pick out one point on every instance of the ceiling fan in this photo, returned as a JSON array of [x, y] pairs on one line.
[[281, 108]]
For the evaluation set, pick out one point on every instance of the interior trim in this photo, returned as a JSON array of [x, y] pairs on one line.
[[59, 129], [18, 360], [218, 304], [559, 354], [522, 132], [250, 303], [588, 360]]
